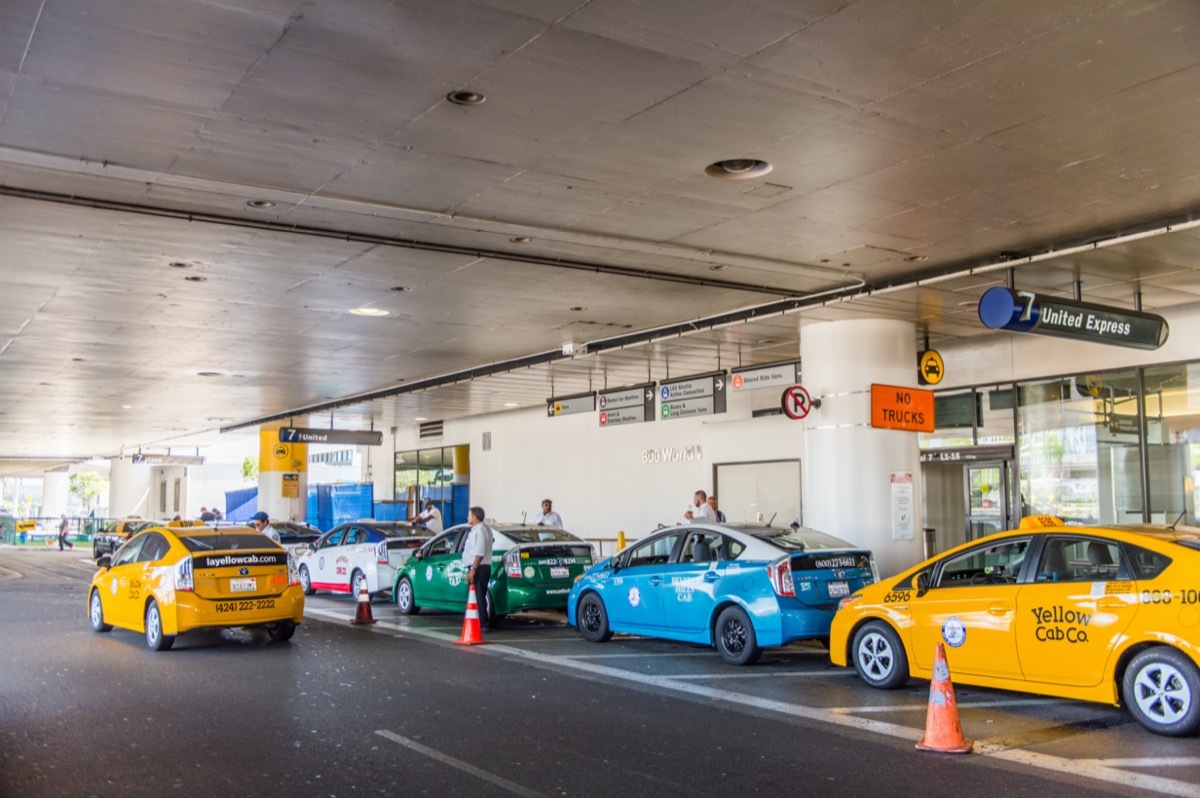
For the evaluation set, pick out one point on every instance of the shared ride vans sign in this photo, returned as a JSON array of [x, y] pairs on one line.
[[895, 407]]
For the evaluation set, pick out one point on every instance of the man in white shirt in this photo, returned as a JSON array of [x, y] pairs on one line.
[[262, 522], [431, 518], [702, 512], [477, 559], [547, 517]]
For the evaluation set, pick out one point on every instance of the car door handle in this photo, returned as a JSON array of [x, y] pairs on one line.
[[999, 609], [711, 576], [655, 581]]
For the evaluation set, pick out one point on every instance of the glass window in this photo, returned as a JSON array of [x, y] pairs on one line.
[[702, 547], [1146, 564], [985, 564], [444, 544], [1172, 401], [129, 552], [655, 551], [154, 548], [1077, 559], [334, 538]]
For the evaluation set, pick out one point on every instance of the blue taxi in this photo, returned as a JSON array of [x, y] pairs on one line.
[[736, 587]]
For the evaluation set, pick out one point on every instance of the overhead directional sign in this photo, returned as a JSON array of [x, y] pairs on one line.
[[796, 402], [771, 375], [308, 435], [698, 395], [1024, 311], [631, 405], [569, 405]]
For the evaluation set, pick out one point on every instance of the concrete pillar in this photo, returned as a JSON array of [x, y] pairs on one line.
[[56, 489], [282, 477], [129, 488], [856, 478]]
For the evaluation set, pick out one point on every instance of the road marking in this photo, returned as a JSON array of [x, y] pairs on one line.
[[465, 767], [1018, 702], [1100, 770], [1145, 762], [768, 675]]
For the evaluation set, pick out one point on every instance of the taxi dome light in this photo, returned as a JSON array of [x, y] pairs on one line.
[[183, 575], [780, 573]]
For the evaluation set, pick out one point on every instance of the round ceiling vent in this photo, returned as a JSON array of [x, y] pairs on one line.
[[738, 169], [466, 98]]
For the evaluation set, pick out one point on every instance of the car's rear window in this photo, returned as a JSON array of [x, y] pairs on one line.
[[541, 534], [1147, 564], [401, 531], [252, 540], [802, 539]]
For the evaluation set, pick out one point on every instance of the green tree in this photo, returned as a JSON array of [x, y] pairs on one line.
[[250, 468], [87, 485]]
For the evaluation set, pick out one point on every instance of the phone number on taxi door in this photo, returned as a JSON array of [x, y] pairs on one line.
[[242, 606]]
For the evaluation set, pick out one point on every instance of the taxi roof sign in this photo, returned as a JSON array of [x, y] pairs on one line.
[[1041, 522]]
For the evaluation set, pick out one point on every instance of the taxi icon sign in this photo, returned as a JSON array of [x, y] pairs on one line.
[[930, 367]]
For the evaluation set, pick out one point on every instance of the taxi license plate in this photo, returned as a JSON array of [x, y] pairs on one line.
[[560, 573], [247, 585], [839, 589]]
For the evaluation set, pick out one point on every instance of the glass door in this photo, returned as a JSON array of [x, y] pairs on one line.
[[986, 486]]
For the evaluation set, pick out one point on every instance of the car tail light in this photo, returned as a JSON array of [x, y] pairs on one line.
[[293, 572], [512, 563], [381, 553], [847, 601], [183, 575], [780, 573]]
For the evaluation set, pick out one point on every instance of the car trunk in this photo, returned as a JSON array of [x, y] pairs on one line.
[[822, 578], [553, 563], [240, 574], [400, 549]]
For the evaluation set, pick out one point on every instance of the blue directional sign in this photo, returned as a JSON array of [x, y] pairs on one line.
[[1024, 311]]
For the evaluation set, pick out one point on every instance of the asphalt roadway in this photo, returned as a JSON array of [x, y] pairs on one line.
[[397, 708]]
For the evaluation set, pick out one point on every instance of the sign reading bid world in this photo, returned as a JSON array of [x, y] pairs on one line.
[[1024, 311]]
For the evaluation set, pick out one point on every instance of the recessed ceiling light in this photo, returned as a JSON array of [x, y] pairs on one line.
[[261, 205], [521, 240], [208, 374], [401, 288], [738, 169], [718, 267], [77, 359], [463, 97], [126, 407], [368, 312], [511, 404], [195, 278], [578, 309], [420, 418], [178, 264], [915, 258]]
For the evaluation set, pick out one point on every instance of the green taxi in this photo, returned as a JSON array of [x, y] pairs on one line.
[[533, 568]]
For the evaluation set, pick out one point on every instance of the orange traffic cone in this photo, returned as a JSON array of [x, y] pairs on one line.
[[943, 732], [472, 635], [363, 613]]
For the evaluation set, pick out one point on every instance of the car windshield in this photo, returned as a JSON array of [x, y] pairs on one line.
[[801, 539], [538, 534], [251, 540]]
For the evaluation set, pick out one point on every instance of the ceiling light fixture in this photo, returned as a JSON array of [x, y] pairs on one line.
[[178, 264], [401, 288], [738, 169], [521, 240], [261, 205], [718, 267], [195, 278], [208, 374], [368, 312], [463, 97], [578, 309]]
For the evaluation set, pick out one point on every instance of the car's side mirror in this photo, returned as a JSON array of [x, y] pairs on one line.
[[614, 562], [418, 554], [104, 561], [312, 546], [922, 583]]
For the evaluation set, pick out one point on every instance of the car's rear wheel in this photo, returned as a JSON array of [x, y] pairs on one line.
[[154, 629], [1162, 689], [281, 632], [494, 618], [358, 583], [96, 614], [735, 638], [306, 581], [592, 619], [879, 656], [95, 551], [405, 598]]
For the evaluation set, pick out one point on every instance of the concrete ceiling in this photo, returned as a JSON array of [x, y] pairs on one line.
[[194, 194]]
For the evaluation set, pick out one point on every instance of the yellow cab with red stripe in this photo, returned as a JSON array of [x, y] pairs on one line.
[[175, 578], [1099, 613]]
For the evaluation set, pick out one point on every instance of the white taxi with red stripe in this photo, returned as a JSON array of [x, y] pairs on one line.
[[357, 554]]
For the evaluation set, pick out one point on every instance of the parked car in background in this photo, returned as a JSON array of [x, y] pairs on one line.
[[1107, 614], [359, 553], [295, 536], [734, 586], [533, 568], [115, 534], [167, 581]]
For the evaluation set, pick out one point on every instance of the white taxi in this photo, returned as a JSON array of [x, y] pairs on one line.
[[359, 553]]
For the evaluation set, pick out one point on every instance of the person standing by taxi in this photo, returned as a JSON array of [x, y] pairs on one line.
[[262, 522], [717, 514], [431, 518], [702, 511], [547, 517], [477, 559]]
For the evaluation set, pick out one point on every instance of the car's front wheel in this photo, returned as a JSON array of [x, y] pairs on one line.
[[879, 656], [735, 638], [281, 632], [1162, 689], [405, 598], [306, 581], [96, 614], [154, 629], [592, 619]]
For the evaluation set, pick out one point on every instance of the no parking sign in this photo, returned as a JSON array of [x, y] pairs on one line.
[[796, 402]]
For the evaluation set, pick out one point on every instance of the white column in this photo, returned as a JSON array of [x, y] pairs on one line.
[[55, 493], [848, 466], [129, 488]]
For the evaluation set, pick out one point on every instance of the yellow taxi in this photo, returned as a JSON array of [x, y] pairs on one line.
[[170, 580], [1108, 614]]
